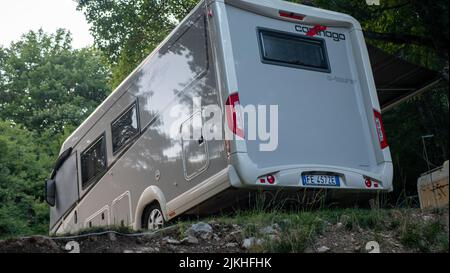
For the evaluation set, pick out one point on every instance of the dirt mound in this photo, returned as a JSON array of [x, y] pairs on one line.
[[169, 240], [387, 231], [34, 244]]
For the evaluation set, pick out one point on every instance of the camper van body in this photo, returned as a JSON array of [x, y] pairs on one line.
[[124, 158]]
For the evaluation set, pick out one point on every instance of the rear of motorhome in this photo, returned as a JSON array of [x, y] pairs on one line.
[[273, 96]]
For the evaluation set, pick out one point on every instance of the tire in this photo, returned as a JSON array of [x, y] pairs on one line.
[[152, 218]]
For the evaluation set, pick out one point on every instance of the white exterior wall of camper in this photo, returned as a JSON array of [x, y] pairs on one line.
[[329, 124]]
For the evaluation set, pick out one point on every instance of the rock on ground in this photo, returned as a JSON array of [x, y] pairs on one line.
[[199, 229]]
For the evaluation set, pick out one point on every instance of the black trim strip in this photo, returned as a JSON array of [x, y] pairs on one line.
[[60, 161]]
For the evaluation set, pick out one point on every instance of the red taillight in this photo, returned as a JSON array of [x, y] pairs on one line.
[[368, 182], [234, 116], [267, 179], [380, 129], [291, 15]]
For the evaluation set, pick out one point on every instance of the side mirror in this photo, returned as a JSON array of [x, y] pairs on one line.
[[50, 192]]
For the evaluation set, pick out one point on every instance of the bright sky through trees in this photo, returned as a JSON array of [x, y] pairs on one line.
[[19, 16]]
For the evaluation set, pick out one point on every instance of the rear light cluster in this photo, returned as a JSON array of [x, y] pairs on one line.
[[268, 179], [380, 130], [291, 15], [234, 115], [371, 183]]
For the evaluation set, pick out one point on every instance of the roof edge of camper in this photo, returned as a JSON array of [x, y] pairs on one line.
[[307, 14]]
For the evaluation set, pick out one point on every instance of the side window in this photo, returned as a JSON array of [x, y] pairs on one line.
[[93, 162], [124, 128]]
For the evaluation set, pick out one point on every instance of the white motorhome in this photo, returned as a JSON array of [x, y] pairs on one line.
[[125, 165]]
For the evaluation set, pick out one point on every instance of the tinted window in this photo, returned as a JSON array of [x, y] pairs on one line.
[[124, 129], [293, 50], [93, 162]]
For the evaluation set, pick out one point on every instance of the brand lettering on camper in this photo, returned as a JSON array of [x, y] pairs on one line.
[[320, 31]]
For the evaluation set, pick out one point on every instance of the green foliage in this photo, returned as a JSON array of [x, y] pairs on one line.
[[416, 30], [423, 236], [26, 160], [126, 31], [295, 241], [406, 124], [47, 85], [46, 90], [21, 193], [299, 230]]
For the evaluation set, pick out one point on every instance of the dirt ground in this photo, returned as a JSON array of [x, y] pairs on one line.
[[216, 236], [162, 242]]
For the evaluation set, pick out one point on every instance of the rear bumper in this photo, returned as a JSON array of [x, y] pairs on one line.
[[247, 174]]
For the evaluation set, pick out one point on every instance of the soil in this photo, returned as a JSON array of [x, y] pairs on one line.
[[222, 238]]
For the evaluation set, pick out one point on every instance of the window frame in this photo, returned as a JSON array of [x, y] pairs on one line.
[[97, 176], [260, 31], [134, 104]]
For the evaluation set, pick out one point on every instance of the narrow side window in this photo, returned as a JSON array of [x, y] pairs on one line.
[[125, 128], [93, 162]]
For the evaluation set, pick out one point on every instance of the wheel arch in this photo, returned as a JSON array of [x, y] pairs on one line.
[[149, 195]]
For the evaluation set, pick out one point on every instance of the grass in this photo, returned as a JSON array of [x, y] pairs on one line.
[[425, 236], [299, 229]]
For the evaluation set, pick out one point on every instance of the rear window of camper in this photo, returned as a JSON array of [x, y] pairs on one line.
[[296, 51], [93, 162]]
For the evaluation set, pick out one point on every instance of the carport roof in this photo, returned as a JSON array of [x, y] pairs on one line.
[[396, 79]]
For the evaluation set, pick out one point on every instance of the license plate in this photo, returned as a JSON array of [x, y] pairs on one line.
[[321, 180]]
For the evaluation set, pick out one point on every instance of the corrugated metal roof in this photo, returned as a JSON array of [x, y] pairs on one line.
[[397, 79]]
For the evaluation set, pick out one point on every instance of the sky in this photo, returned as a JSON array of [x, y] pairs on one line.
[[19, 16]]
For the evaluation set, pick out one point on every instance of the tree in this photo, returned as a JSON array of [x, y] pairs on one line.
[[126, 31], [426, 114], [21, 195], [416, 30], [47, 89], [47, 85]]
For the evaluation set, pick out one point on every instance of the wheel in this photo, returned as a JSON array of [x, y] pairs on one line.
[[152, 218]]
